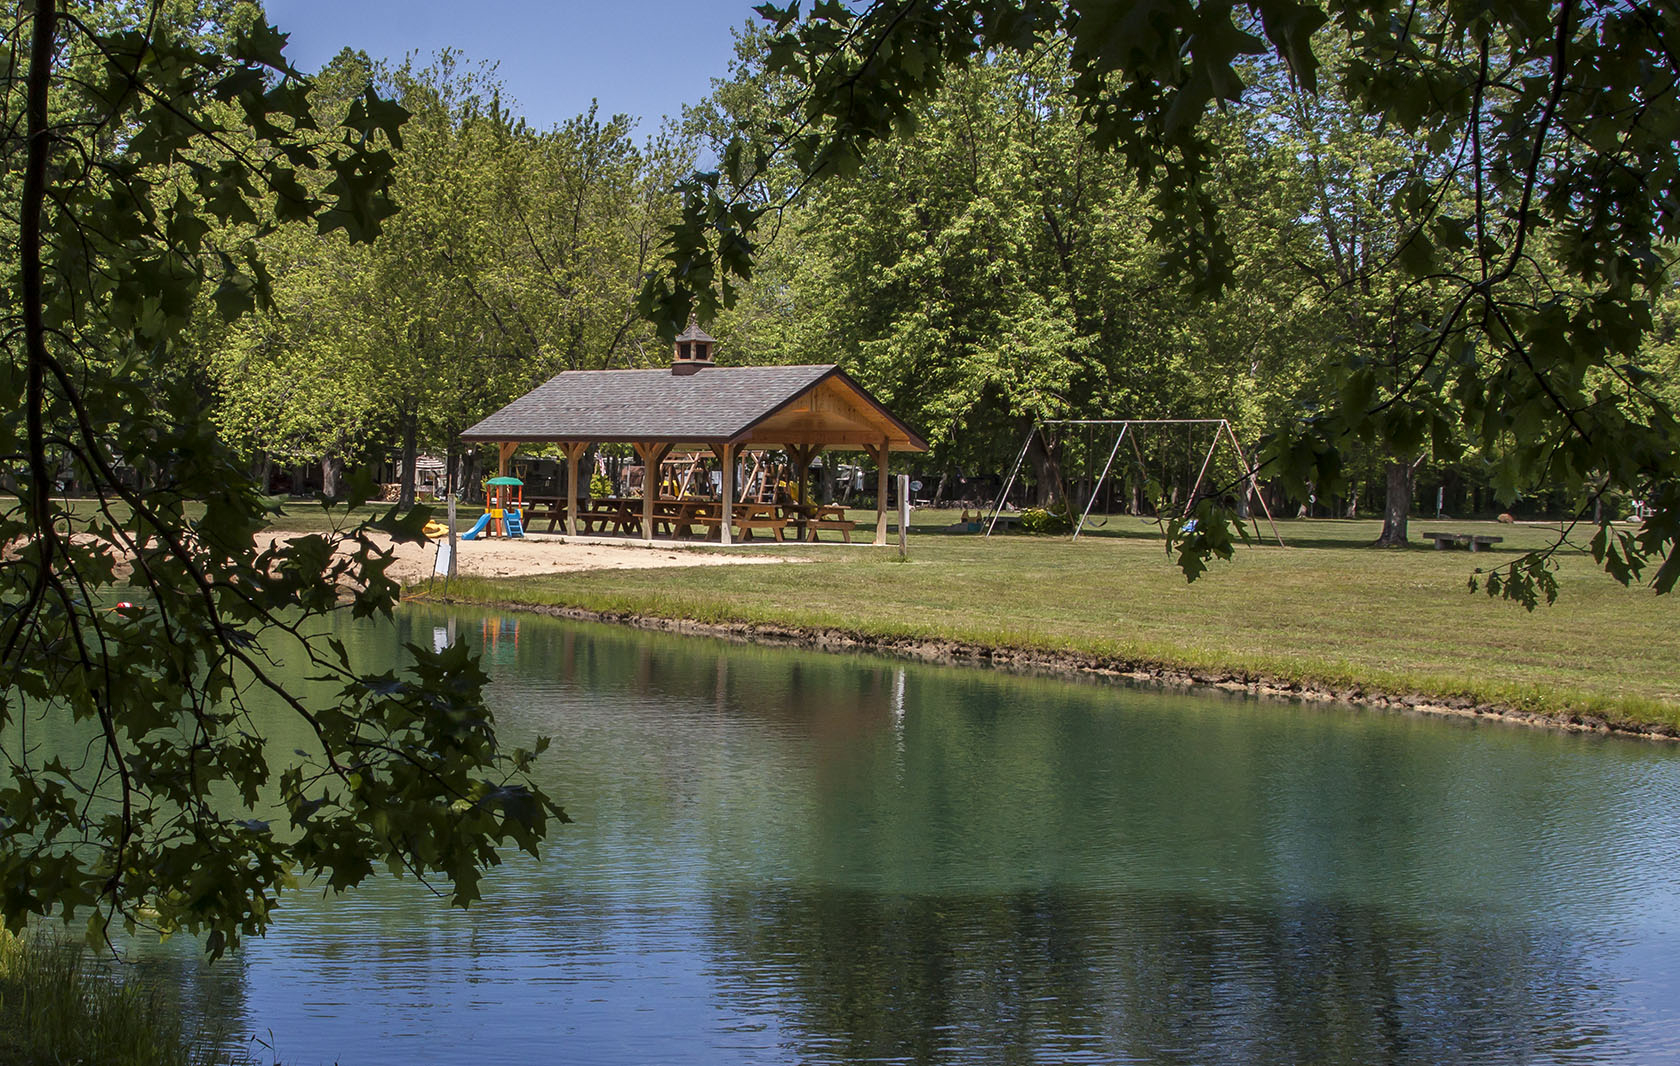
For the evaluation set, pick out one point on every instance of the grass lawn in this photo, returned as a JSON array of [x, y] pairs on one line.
[[301, 515], [1327, 610]]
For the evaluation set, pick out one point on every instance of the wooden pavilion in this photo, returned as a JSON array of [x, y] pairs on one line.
[[697, 404]]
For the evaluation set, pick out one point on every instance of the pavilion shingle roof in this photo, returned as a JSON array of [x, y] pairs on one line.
[[713, 404]]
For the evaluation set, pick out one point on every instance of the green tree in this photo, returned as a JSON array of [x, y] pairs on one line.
[[137, 144], [1557, 124], [996, 269], [518, 253]]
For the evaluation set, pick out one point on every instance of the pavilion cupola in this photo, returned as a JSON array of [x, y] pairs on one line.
[[693, 349]]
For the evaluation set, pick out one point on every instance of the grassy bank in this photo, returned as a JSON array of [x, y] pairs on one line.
[[1328, 611], [55, 1009]]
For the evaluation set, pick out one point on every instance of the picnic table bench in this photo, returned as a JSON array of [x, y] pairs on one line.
[[830, 516], [1474, 541]]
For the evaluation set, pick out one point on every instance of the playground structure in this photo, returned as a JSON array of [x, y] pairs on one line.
[[1055, 433], [504, 504]]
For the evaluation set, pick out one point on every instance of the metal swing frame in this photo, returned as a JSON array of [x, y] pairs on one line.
[[1224, 433]]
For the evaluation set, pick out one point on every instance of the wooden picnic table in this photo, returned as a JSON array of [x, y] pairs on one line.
[[829, 516], [552, 508], [1474, 541], [746, 517], [751, 516], [623, 515], [679, 517]]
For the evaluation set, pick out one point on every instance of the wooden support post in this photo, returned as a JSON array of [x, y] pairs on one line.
[[726, 527], [504, 452], [881, 491], [574, 452], [802, 455], [653, 456], [650, 487]]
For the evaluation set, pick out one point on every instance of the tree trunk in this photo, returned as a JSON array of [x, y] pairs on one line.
[[1047, 472], [449, 464], [332, 476], [1352, 502], [410, 456], [472, 485], [1397, 503], [1250, 485]]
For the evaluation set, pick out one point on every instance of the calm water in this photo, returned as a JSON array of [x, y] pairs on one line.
[[791, 858]]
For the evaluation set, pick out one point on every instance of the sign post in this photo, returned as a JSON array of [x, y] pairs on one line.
[[446, 551], [903, 515]]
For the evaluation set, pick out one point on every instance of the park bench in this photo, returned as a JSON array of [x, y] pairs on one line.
[[1474, 541]]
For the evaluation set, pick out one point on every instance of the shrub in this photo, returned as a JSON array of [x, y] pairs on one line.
[[1046, 520]]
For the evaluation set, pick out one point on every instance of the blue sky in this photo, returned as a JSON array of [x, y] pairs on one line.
[[641, 57]]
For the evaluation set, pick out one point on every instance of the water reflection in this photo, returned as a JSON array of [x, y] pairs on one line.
[[785, 857], [1108, 977]]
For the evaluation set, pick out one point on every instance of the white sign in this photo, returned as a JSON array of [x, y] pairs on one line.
[[442, 564]]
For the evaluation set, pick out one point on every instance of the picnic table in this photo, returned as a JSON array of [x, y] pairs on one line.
[[679, 517], [552, 508], [746, 517], [751, 516], [1474, 541], [624, 516], [829, 516]]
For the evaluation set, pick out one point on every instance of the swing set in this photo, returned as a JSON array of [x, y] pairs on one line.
[[1057, 433]]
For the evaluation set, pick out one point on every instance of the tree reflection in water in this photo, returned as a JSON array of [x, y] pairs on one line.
[[1109, 977]]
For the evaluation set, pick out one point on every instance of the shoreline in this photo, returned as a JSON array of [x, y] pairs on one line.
[[1067, 663]]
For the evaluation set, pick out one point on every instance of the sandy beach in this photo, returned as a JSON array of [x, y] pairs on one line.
[[551, 555]]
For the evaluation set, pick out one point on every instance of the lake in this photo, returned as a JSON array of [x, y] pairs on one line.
[[790, 857]]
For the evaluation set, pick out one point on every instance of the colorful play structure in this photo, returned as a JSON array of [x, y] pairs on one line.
[[504, 503]]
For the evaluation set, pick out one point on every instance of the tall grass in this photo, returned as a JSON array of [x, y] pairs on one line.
[[59, 1008]]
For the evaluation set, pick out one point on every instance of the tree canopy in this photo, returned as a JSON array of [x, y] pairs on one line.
[[1527, 201], [148, 166]]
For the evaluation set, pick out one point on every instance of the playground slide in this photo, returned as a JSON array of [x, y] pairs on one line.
[[472, 534]]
